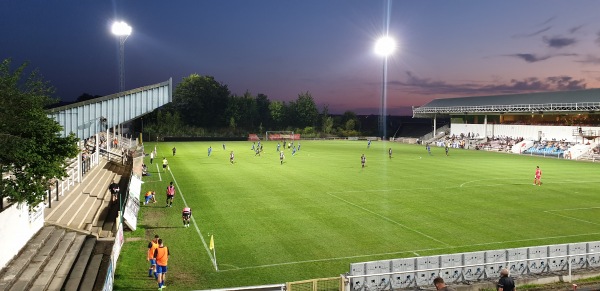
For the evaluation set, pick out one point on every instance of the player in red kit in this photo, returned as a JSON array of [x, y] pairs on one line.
[[538, 177]]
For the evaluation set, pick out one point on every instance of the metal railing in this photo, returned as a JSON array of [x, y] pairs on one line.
[[568, 262]]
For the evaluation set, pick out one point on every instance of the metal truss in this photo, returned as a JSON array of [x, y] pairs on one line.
[[425, 111]]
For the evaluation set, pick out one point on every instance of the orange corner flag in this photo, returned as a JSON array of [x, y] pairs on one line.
[[211, 246]]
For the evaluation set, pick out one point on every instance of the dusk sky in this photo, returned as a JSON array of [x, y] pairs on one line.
[[284, 48]]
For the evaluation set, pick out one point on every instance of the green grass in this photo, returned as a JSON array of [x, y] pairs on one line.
[[320, 211]]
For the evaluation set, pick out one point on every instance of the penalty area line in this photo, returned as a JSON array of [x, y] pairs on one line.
[[570, 217], [389, 220]]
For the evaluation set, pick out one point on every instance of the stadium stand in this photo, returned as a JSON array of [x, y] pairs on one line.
[[68, 253]]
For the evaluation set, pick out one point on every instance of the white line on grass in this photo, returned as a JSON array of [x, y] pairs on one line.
[[195, 224], [572, 209], [570, 217], [159, 176], [403, 252], [390, 220], [490, 185], [473, 181]]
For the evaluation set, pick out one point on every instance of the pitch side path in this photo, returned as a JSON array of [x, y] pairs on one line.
[[319, 211]]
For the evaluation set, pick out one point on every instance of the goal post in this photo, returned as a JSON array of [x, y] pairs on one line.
[[279, 135]]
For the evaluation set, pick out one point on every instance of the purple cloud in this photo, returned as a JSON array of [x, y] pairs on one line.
[[426, 86], [533, 33], [575, 29], [532, 58], [559, 42]]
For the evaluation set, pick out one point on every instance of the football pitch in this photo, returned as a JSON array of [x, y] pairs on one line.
[[319, 211]]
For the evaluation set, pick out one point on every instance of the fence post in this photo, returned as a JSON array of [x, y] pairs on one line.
[[343, 282], [569, 262], [56, 189], [49, 198]]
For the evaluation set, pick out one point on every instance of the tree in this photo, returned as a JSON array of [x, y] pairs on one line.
[[326, 121], [278, 111], [33, 151], [242, 109], [262, 108], [328, 125], [304, 111], [201, 100]]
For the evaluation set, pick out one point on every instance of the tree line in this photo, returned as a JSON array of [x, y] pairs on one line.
[[202, 106]]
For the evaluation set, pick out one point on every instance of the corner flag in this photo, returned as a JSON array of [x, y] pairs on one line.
[[211, 246]]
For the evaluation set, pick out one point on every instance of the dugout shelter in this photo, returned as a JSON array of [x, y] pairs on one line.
[[558, 115]]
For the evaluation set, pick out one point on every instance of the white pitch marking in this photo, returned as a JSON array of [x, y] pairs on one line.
[[159, 176], [390, 220], [473, 181], [571, 209], [570, 217], [403, 252], [195, 224]]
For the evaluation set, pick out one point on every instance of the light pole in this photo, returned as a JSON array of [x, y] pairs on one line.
[[122, 30], [384, 47]]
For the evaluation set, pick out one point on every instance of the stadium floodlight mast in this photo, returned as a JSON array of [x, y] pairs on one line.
[[122, 30], [385, 47]]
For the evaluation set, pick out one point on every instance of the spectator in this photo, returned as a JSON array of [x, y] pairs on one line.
[[505, 283], [161, 255], [150, 196], [440, 285], [114, 190], [145, 170], [152, 246]]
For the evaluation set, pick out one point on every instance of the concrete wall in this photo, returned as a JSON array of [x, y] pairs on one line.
[[529, 132], [17, 228]]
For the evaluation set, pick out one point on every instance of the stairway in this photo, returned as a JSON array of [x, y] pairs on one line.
[[55, 259]]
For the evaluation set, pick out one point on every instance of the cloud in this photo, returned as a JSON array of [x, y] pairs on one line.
[[598, 38], [575, 29], [559, 42], [590, 60], [426, 86], [533, 33], [566, 83], [532, 58], [548, 20]]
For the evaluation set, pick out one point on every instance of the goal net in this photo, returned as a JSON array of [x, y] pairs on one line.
[[279, 135]]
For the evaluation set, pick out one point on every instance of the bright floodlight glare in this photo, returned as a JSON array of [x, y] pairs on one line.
[[120, 28], [385, 46]]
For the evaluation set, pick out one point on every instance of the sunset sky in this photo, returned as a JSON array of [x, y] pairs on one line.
[[324, 47]]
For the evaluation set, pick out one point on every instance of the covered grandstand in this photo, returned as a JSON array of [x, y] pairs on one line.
[[562, 124]]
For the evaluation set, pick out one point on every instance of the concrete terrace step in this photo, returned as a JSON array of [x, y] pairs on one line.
[[67, 263], [74, 279], [82, 207], [91, 272], [40, 259], [19, 263], [101, 222], [43, 279]]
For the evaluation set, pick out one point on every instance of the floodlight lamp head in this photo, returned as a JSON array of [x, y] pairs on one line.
[[121, 28], [385, 46]]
